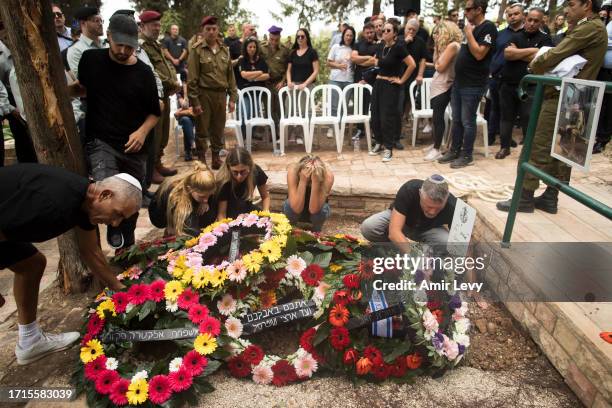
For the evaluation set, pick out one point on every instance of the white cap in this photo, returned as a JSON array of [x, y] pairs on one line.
[[130, 179]]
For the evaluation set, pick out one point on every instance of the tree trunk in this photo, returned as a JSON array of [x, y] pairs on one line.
[[40, 73], [501, 11], [376, 7]]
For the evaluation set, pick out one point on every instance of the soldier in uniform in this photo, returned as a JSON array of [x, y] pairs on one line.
[[589, 40], [149, 34], [276, 55], [210, 79]]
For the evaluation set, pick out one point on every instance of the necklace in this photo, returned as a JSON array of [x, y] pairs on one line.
[[387, 49]]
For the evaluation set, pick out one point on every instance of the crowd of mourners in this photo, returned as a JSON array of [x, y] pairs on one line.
[[121, 89]]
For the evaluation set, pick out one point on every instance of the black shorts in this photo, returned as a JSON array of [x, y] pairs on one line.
[[13, 252]]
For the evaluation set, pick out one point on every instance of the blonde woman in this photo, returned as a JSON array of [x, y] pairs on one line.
[[447, 42], [185, 203], [309, 183]]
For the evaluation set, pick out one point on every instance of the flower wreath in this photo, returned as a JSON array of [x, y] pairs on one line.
[[178, 380]]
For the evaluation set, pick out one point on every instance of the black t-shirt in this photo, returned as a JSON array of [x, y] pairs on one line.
[[390, 59], [363, 48], [245, 65], [418, 51], [235, 50], [235, 203], [301, 66], [408, 203], [119, 97], [514, 71], [40, 202], [175, 46], [469, 72]]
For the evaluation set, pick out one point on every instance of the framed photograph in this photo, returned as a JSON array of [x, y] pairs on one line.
[[577, 117]]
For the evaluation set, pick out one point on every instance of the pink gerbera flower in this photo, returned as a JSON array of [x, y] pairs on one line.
[[95, 368], [105, 381], [211, 326], [194, 363], [118, 391], [187, 299], [120, 299], [156, 290], [159, 389], [95, 325], [180, 380], [138, 294], [197, 313]]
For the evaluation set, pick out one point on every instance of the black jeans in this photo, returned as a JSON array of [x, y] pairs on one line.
[[105, 161], [438, 105], [386, 120], [511, 106]]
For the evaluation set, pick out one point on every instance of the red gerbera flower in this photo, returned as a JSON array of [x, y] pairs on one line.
[[439, 315], [195, 363], [399, 368], [433, 304], [138, 294], [211, 326], [253, 354], [351, 281], [238, 367], [312, 275], [306, 339], [197, 313], [366, 269], [284, 373], [187, 299], [95, 368], [157, 290], [341, 297], [118, 391], [86, 339], [339, 338], [350, 356], [120, 299], [105, 381], [381, 371], [95, 325], [373, 354], [180, 380], [159, 389]]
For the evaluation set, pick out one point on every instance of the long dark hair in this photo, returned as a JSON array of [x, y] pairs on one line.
[[307, 34], [248, 41], [349, 28]]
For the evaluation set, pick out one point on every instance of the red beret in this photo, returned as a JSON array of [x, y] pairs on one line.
[[149, 15], [209, 20]]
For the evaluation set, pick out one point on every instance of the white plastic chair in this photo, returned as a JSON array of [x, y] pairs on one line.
[[425, 112], [259, 101], [356, 115], [291, 111], [480, 121], [232, 121], [326, 117]]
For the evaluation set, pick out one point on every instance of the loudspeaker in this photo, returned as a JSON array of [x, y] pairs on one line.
[[402, 7]]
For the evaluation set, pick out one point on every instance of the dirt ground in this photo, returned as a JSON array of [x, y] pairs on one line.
[[503, 368]]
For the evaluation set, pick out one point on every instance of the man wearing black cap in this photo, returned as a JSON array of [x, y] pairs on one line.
[[91, 29], [210, 80], [276, 55], [150, 25], [122, 109]]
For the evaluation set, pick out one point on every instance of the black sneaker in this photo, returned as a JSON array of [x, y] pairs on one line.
[[114, 237], [398, 146], [448, 157], [462, 161]]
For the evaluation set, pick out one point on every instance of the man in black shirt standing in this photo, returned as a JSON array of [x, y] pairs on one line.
[[175, 50], [38, 203], [521, 49], [360, 56], [122, 108], [471, 76], [420, 212]]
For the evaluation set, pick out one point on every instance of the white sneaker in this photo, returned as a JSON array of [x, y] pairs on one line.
[[330, 133], [357, 135], [427, 128], [427, 149], [376, 150], [434, 154], [47, 344], [387, 155]]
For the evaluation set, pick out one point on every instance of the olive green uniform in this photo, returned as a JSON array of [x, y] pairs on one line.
[[210, 79], [277, 64], [167, 74], [589, 40]]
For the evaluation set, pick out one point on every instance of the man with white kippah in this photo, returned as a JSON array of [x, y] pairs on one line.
[[38, 203]]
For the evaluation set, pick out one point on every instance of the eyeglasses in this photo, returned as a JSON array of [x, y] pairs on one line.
[[240, 173], [58, 14], [387, 30], [300, 37]]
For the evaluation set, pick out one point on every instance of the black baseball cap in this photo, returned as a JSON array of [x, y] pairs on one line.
[[124, 30]]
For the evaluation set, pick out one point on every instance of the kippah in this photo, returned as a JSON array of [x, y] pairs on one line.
[[130, 179], [436, 179]]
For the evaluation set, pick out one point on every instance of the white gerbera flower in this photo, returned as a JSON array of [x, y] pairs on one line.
[[175, 364], [233, 327], [236, 272], [295, 265], [227, 305], [171, 306], [305, 366], [141, 375], [111, 363]]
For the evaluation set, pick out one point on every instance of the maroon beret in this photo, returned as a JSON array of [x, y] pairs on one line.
[[209, 20], [149, 15]]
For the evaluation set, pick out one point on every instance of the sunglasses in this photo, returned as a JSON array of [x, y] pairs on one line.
[[57, 14], [469, 8], [300, 37], [387, 30]]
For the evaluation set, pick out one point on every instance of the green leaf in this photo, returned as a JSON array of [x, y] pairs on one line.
[[307, 256], [146, 309], [322, 333], [322, 259], [398, 350], [203, 387], [213, 365]]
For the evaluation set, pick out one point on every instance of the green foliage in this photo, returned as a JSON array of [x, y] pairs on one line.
[[326, 10], [321, 44]]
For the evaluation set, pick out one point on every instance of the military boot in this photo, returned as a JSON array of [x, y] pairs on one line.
[[548, 200], [525, 204]]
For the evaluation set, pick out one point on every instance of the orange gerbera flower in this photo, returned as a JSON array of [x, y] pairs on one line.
[[364, 365], [439, 315], [413, 361], [338, 316], [268, 299]]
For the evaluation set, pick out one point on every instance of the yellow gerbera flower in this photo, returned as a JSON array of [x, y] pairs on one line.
[[205, 344], [216, 278], [264, 213], [199, 279], [178, 272], [281, 240], [138, 392], [250, 263], [92, 350], [180, 262], [187, 276], [172, 290], [271, 250], [191, 242], [339, 236], [109, 305], [335, 268]]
